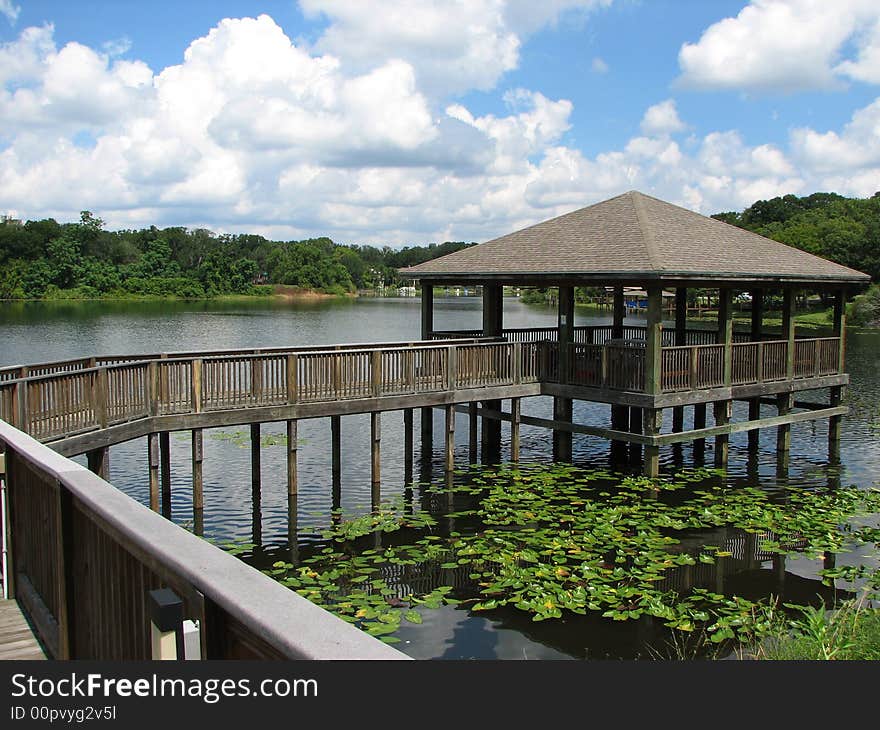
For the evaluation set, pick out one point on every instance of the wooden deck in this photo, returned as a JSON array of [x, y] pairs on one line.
[[17, 639]]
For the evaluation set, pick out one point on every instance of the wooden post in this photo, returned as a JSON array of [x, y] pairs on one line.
[[427, 415], [784, 400], [472, 433], [376, 373], [618, 313], [619, 422], [653, 425], [196, 385], [836, 394], [680, 341], [153, 466], [722, 440], [699, 422], [563, 407], [788, 331], [562, 440], [101, 396], [450, 438], [99, 461], [165, 462], [375, 440], [723, 408], [407, 445], [292, 453], [335, 446], [493, 326], [255, 458], [292, 378], [654, 341], [756, 336], [515, 415], [197, 474], [636, 426]]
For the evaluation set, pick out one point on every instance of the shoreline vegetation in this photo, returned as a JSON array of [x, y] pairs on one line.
[[43, 260]]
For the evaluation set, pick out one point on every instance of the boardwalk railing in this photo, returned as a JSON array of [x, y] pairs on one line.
[[67, 403], [84, 556]]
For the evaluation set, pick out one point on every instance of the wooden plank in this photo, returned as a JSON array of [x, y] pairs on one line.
[[675, 438], [17, 638]]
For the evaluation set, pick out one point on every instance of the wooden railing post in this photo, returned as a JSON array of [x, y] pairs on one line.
[[153, 387], [604, 365], [759, 364], [376, 373], [100, 397], [196, 385], [451, 367], [256, 379], [292, 384], [20, 399], [517, 363], [409, 370], [694, 365], [817, 351], [337, 375]]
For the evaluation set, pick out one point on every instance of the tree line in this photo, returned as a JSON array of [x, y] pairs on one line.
[[44, 259]]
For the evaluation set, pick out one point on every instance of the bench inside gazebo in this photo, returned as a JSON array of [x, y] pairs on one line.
[[634, 240]]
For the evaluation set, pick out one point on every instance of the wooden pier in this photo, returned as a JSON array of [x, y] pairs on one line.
[[84, 554]]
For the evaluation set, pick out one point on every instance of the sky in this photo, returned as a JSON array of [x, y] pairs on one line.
[[408, 122]]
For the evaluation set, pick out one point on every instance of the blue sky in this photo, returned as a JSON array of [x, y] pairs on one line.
[[410, 121]]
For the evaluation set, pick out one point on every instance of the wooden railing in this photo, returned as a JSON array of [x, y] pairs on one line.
[[83, 557], [67, 403]]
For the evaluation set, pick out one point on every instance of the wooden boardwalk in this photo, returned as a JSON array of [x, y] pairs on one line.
[[17, 639]]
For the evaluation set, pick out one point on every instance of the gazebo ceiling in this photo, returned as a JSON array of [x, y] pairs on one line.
[[634, 238]]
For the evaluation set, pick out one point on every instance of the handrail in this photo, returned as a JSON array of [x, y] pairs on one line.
[[110, 360], [67, 403], [95, 525]]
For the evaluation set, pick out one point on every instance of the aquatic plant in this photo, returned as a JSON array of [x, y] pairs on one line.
[[556, 540]]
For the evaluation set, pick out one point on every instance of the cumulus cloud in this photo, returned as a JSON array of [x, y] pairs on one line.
[[662, 119], [787, 45], [477, 42], [252, 132]]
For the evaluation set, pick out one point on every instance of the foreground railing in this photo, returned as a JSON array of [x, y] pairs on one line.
[[83, 557]]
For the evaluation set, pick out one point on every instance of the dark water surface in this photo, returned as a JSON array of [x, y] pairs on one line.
[[40, 332]]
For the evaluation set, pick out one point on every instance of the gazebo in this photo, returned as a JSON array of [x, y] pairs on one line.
[[635, 240]]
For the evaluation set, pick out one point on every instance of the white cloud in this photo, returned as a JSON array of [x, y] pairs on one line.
[[599, 66], [251, 132], [477, 41], [10, 11], [786, 45], [662, 119]]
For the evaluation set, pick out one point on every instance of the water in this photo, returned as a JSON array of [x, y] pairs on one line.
[[40, 332]]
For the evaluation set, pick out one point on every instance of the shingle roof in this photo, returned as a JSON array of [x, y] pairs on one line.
[[634, 236]]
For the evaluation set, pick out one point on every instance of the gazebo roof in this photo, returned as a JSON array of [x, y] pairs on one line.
[[634, 238]]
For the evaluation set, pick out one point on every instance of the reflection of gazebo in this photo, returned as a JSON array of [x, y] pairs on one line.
[[634, 240]]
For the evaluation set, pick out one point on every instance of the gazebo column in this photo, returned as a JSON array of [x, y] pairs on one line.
[[757, 329], [493, 318], [680, 341], [619, 414], [562, 407], [653, 417], [427, 417], [784, 400], [837, 392], [723, 408]]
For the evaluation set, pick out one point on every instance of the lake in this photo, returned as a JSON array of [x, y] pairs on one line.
[[41, 332]]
